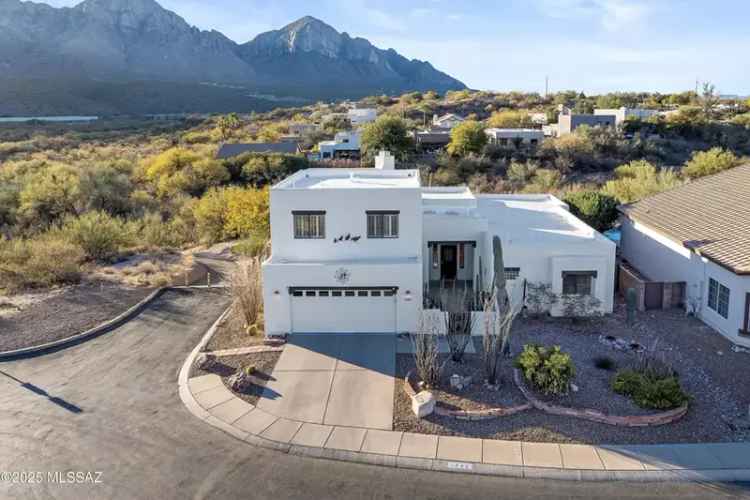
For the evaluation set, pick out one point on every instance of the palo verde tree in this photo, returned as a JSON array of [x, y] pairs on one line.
[[386, 133]]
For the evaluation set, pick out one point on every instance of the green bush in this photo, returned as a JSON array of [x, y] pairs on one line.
[[596, 209], [99, 234], [37, 263], [709, 162], [648, 392], [548, 368]]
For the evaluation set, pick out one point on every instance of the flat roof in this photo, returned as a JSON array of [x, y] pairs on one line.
[[351, 178]]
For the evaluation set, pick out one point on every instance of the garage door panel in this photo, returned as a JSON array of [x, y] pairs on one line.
[[343, 310]]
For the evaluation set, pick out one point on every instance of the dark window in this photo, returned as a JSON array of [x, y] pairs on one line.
[[336, 293], [310, 293], [309, 225], [362, 293], [435, 259], [375, 293], [718, 297], [349, 294], [461, 256], [382, 224], [297, 293], [503, 141], [512, 273], [578, 283], [389, 293], [323, 293], [534, 142]]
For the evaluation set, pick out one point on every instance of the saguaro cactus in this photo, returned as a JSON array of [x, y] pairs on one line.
[[501, 294]]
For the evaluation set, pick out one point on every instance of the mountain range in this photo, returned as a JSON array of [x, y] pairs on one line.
[[133, 56]]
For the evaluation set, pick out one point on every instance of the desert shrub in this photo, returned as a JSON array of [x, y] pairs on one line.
[[50, 194], [547, 368], [179, 170], [247, 213], [106, 187], [45, 261], [604, 363], [544, 181], [639, 179], [264, 169], [247, 292], [649, 392], [709, 162], [99, 234], [596, 209], [467, 137], [254, 246]]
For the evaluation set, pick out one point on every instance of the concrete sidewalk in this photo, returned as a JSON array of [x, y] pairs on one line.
[[208, 398], [330, 379]]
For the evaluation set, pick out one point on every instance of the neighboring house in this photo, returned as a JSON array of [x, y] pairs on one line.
[[539, 118], [447, 121], [345, 145], [300, 129], [699, 234], [623, 113], [354, 250], [432, 140], [567, 121], [514, 137], [550, 130], [230, 150], [361, 116]]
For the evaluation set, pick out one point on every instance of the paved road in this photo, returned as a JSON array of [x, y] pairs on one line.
[[111, 405]]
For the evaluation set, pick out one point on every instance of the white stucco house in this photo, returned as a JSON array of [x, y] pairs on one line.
[[698, 234], [361, 116], [344, 145], [446, 121], [354, 250], [621, 114]]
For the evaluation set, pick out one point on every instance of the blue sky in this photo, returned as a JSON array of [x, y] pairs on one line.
[[589, 45]]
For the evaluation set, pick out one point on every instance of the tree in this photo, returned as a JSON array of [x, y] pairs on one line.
[[467, 137], [708, 99], [709, 162], [50, 194], [639, 179], [510, 119], [596, 209], [247, 213], [388, 133], [227, 123], [179, 170]]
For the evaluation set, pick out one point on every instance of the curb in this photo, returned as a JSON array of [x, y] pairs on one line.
[[726, 473], [105, 327]]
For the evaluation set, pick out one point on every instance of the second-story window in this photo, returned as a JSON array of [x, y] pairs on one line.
[[382, 224], [309, 225]]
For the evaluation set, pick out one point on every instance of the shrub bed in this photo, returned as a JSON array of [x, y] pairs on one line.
[[660, 393], [548, 369]]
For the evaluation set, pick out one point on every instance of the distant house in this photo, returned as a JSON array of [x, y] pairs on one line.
[[345, 145], [567, 121], [514, 137], [698, 234], [361, 116], [447, 121], [300, 129], [539, 118], [623, 113], [231, 150], [432, 140]]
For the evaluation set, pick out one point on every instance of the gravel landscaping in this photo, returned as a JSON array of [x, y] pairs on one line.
[[225, 367], [230, 334], [708, 370], [63, 313]]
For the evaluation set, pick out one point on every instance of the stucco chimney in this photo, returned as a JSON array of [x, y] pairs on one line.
[[385, 161]]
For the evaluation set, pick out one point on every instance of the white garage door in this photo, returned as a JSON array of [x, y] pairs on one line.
[[343, 310]]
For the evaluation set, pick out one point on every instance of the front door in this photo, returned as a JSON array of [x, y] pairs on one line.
[[448, 262]]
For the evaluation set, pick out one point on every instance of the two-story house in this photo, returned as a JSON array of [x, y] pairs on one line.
[[354, 250]]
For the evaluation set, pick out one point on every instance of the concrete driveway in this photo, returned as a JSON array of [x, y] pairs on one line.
[[334, 379]]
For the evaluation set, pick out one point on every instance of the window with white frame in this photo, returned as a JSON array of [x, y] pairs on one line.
[[578, 282], [382, 224], [309, 225], [718, 297]]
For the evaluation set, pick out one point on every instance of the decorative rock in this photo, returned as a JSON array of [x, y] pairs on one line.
[[736, 348], [205, 361], [239, 381], [423, 404], [573, 387]]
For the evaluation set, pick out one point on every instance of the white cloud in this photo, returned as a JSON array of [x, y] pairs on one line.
[[612, 15]]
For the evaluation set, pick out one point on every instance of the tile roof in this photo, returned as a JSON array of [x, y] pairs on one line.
[[230, 150], [711, 216]]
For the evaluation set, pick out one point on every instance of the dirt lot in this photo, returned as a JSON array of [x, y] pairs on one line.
[[36, 319], [708, 369]]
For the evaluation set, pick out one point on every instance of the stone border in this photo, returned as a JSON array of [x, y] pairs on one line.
[[208, 399], [88, 334], [650, 420], [486, 414]]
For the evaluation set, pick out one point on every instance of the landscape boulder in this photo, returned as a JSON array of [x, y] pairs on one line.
[[423, 404]]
